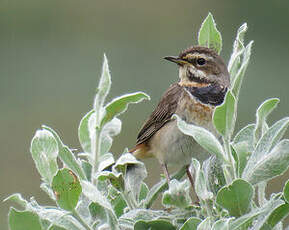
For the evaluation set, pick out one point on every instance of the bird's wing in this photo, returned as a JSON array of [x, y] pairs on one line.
[[162, 113]]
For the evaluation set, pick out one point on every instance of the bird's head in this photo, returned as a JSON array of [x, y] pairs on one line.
[[201, 67]]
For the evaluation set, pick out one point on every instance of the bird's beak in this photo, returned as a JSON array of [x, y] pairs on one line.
[[175, 59]]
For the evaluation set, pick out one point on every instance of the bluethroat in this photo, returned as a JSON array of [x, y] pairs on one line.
[[203, 83]]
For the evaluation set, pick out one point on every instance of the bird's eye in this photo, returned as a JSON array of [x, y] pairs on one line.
[[201, 61]]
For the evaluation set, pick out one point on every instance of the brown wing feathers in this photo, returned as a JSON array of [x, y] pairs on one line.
[[162, 114]]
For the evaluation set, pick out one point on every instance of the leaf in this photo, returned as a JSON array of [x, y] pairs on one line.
[[191, 224], [224, 117], [177, 195], [161, 186], [222, 224], [44, 151], [58, 217], [286, 191], [82, 209], [244, 220], [102, 89], [105, 161], [110, 129], [120, 104], [134, 177], [238, 43], [278, 215], [262, 214], [61, 219], [205, 224], [56, 228], [97, 212], [236, 198], [236, 160], [17, 198], [243, 145], [143, 192], [201, 187], [265, 144], [236, 84], [128, 219], [83, 132], [67, 189], [268, 208], [243, 153], [262, 113], [94, 121], [246, 135], [134, 173], [123, 161], [93, 194], [154, 225], [66, 155], [270, 165], [115, 178], [206, 139], [238, 49], [86, 167], [117, 201], [213, 173], [47, 188], [209, 36], [22, 220], [279, 226]]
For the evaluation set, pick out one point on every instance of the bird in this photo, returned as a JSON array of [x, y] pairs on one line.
[[202, 85]]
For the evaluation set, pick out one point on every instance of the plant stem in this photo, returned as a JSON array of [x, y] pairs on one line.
[[209, 211], [130, 203], [79, 218], [231, 160], [227, 174], [261, 193], [96, 149]]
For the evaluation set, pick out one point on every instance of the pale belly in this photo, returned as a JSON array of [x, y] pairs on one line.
[[172, 147]]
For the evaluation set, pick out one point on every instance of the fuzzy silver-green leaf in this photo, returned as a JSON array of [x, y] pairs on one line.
[[209, 36]]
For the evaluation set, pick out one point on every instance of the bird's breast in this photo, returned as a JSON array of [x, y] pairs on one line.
[[191, 110]]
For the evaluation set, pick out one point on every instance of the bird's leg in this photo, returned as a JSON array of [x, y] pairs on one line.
[[166, 172], [191, 179]]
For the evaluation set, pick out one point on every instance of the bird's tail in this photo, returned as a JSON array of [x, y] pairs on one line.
[[140, 151]]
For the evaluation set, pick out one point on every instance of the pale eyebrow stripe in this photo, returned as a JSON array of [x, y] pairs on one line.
[[199, 55], [206, 57]]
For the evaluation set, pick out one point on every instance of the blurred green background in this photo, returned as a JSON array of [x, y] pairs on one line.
[[50, 60]]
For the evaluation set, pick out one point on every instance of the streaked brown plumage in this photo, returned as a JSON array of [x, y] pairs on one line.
[[204, 80]]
